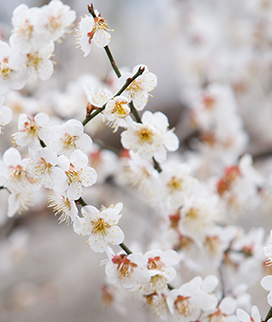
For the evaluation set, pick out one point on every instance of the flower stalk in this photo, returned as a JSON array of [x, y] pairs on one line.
[[128, 82], [107, 49]]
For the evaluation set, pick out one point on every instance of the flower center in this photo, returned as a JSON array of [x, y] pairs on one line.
[[43, 167], [119, 110], [69, 141], [192, 214], [183, 306], [5, 69], [25, 30], [100, 24], [100, 227], [72, 174], [135, 86], [17, 173], [54, 23], [155, 263], [145, 135], [124, 265], [174, 184], [33, 60], [212, 244]]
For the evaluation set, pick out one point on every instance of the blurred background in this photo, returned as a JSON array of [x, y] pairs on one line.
[[47, 273]]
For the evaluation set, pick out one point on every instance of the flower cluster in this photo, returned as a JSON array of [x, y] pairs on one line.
[[187, 266]]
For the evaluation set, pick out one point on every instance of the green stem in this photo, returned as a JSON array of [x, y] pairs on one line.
[[127, 83], [103, 145], [134, 112], [42, 143], [269, 315], [170, 287], [157, 165], [82, 202], [1, 187], [125, 248], [112, 61]]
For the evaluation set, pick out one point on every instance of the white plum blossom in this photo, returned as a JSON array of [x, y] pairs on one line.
[[92, 30], [127, 270], [19, 201], [224, 311], [37, 62], [244, 316], [191, 299], [43, 167], [138, 90], [161, 270], [54, 19], [178, 185], [24, 33], [10, 76], [267, 250], [266, 283], [69, 137], [5, 114], [149, 140], [32, 130], [78, 173], [64, 207], [116, 111], [101, 226], [13, 171], [96, 96]]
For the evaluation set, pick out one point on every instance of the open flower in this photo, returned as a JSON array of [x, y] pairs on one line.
[[70, 137], [137, 91], [116, 111], [150, 138], [42, 166], [32, 130], [101, 226], [78, 173], [92, 30], [128, 270]]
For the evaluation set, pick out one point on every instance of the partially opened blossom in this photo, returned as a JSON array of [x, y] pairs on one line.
[[267, 250], [64, 207], [266, 283], [20, 201], [244, 316], [92, 30], [116, 111], [32, 130], [78, 173], [138, 90], [127, 270], [101, 227], [69, 137], [5, 115], [96, 96]]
